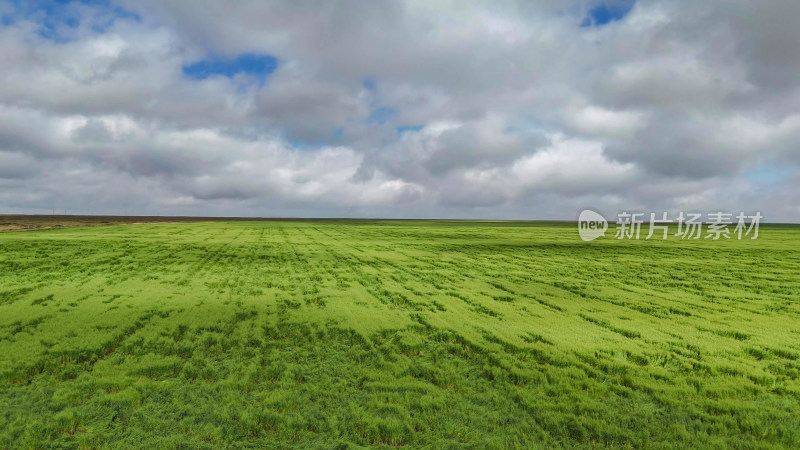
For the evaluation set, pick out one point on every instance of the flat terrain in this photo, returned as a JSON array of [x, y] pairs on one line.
[[387, 333], [23, 222]]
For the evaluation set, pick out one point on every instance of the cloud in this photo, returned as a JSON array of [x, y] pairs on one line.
[[399, 108]]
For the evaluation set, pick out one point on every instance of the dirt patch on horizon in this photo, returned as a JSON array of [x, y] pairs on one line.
[[21, 222]]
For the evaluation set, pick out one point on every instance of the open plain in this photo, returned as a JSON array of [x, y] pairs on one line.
[[354, 333]]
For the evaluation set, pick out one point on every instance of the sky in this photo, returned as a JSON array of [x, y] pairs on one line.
[[400, 109]]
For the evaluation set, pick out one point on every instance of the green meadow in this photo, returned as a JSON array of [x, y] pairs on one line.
[[396, 333]]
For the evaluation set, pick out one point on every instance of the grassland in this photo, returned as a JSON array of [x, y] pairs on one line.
[[362, 333]]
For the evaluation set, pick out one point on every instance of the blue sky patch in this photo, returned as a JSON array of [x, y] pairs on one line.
[[369, 84], [771, 174], [404, 128], [607, 11], [7, 20], [253, 64], [57, 18], [382, 115]]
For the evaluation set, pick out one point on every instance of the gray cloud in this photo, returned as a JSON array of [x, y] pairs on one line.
[[402, 109]]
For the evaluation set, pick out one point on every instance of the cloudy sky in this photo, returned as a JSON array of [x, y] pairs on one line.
[[518, 110]]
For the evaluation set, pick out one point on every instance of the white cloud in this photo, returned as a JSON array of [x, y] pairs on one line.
[[401, 108]]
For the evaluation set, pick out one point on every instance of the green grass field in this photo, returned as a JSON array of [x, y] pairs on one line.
[[391, 333]]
